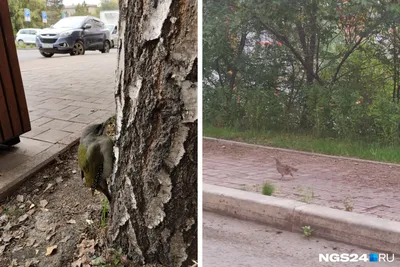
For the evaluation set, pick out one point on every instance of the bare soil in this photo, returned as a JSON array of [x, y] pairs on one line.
[[53, 208]]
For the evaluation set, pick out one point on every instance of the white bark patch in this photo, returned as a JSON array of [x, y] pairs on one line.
[[129, 191], [189, 97], [134, 95], [116, 155], [155, 210], [156, 17], [133, 242], [178, 249], [120, 73], [177, 148], [122, 217], [189, 223]]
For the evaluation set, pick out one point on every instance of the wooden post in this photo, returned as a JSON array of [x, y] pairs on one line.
[[14, 116]]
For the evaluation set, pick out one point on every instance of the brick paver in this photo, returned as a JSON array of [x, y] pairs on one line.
[[370, 188], [64, 94]]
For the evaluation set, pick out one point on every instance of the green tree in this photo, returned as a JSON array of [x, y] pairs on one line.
[[54, 10], [17, 13], [323, 67], [81, 10]]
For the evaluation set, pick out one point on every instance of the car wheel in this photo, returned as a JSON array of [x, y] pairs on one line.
[[12, 142], [106, 47], [78, 49], [20, 42], [112, 44], [45, 54]]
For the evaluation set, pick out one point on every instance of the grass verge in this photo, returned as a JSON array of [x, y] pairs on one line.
[[329, 146]]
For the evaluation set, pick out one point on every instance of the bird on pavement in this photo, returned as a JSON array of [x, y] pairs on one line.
[[284, 169]]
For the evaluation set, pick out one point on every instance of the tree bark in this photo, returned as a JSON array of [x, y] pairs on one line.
[[154, 184]]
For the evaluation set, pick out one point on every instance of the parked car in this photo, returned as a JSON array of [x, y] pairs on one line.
[[114, 34], [74, 35], [26, 36]]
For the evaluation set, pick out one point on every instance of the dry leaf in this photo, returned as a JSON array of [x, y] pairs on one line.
[[65, 239], [48, 187], [59, 180], [51, 250], [90, 222], [23, 218], [31, 206], [30, 242], [30, 212], [43, 203], [20, 198], [72, 221], [50, 236]]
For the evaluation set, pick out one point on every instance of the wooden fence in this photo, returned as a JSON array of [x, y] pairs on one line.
[[14, 117]]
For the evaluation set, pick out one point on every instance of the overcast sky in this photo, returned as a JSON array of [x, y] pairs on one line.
[[75, 2]]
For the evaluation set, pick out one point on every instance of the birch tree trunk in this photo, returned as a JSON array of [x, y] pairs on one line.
[[154, 184]]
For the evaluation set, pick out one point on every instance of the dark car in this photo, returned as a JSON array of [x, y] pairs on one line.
[[74, 35]]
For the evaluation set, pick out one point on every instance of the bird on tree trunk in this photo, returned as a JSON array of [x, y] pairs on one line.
[[284, 169], [95, 157]]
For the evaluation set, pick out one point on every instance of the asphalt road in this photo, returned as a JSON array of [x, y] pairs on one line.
[[25, 55], [229, 242]]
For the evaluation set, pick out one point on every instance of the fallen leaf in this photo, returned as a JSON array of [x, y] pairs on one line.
[[31, 262], [31, 206], [90, 222], [8, 226], [72, 221], [30, 242], [59, 180], [36, 251], [23, 218], [20, 198], [48, 187], [74, 172], [51, 250], [65, 239], [43, 203], [50, 236], [18, 234], [7, 237], [2, 248], [4, 218], [30, 212], [17, 248], [22, 206]]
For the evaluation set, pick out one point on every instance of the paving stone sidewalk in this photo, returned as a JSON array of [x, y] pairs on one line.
[[370, 188], [64, 94]]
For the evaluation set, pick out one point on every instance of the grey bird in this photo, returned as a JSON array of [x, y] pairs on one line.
[[284, 169]]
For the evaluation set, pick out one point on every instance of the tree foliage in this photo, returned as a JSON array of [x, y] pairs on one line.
[[325, 67], [17, 13], [81, 9]]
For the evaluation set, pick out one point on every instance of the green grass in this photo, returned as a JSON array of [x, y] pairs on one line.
[[104, 212], [330, 146], [25, 45], [268, 189]]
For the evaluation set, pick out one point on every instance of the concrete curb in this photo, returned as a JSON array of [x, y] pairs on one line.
[[362, 230], [301, 152]]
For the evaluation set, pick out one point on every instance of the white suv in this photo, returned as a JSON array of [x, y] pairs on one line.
[[27, 36]]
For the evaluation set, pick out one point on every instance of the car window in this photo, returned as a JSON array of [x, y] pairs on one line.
[[23, 32], [91, 23], [32, 32], [70, 22], [98, 24]]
